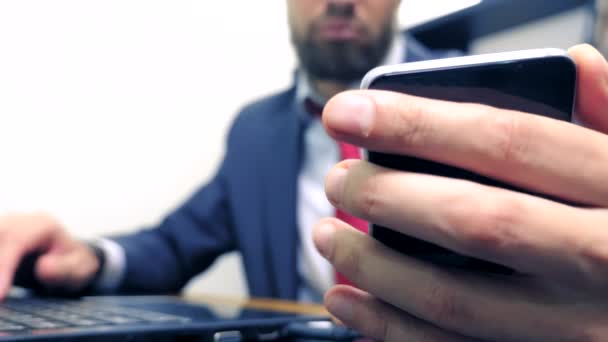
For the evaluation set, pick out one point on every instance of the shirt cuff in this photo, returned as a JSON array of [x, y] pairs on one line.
[[114, 266]]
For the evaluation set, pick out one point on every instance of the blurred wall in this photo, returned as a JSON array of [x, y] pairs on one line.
[[601, 33], [561, 31], [113, 111]]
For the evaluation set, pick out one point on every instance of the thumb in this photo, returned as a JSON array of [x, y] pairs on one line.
[[53, 269], [70, 269], [592, 88]]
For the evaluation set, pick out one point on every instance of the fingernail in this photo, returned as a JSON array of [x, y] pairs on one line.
[[323, 237], [351, 114], [334, 184], [342, 307]]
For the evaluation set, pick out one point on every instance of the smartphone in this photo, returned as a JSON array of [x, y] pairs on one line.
[[540, 81]]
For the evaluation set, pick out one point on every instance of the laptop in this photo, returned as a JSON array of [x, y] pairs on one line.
[[142, 318]]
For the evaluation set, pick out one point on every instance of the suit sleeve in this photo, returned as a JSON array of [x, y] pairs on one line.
[[164, 258]]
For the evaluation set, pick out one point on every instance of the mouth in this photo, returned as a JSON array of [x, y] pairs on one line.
[[336, 29]]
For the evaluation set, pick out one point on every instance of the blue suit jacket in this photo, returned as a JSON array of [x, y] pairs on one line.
[[249, 206]]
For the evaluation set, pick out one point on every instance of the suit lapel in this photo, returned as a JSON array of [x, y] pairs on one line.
[[280, 164], [281, 169]]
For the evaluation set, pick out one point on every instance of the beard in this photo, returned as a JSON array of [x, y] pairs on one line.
[[341, 61]]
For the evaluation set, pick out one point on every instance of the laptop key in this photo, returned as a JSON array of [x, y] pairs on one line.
[[12, 327], [44, 325], [37, 314], [121, 319]]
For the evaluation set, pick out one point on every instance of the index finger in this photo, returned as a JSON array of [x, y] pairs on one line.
[[529, 151], [10, 256], [20, 235]]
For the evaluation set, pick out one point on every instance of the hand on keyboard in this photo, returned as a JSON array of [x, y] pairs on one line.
[[49, 257]]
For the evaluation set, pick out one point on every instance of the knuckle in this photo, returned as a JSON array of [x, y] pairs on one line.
[[367, 198], [594, 262], [509, 137], [15, 225], [445, 307], [45, 221], [348, 261], [457, 208], [412, 127], [487, 225], [377, 328], [442, 307], [498, 220]]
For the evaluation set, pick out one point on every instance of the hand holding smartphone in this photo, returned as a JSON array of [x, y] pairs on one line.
[[541, 82]]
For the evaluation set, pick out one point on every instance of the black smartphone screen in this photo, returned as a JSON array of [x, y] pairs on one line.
[[543, 86]]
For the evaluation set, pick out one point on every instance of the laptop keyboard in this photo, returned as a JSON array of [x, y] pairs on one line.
[[28, 314]]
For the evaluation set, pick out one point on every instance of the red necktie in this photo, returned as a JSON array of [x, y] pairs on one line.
[[347, 151]]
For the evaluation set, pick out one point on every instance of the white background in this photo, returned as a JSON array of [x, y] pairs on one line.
[[114, 111]]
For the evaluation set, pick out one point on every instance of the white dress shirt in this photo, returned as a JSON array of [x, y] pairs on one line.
[[321, 153]]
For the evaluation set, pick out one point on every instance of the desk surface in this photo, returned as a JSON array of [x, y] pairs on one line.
[[260, 304], [213, 315]]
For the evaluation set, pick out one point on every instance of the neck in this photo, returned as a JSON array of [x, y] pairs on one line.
[[328, 89]]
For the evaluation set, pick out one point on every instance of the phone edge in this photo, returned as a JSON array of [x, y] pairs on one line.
[[456, 62]]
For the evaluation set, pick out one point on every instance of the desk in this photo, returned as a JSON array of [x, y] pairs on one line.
[[265, 304], [261, 304], [161, 318]]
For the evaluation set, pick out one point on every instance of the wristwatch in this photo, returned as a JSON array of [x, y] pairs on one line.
[[101, 259]]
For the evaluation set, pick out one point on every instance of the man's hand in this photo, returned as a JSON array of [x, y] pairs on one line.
[[560, 250], [64, 263]]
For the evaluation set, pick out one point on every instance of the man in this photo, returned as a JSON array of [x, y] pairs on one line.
[[267, 194], [560, 251]]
